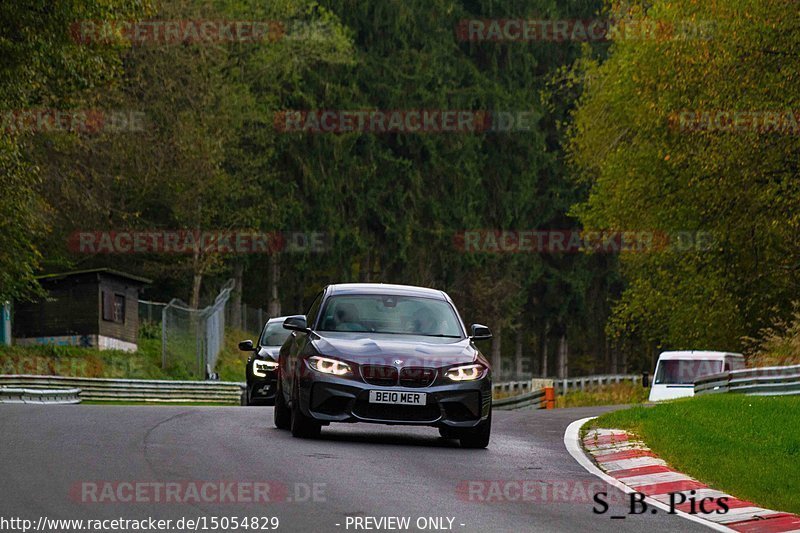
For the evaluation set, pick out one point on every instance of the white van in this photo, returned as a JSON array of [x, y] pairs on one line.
[[676, 371]]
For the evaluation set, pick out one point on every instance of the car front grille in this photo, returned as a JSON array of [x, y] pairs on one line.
[[381, 375], [417, 376]]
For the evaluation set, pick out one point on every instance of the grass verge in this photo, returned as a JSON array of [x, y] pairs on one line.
[[145, 363], [745, 445]]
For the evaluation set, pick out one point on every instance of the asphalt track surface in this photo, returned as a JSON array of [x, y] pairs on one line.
[[50, 454]]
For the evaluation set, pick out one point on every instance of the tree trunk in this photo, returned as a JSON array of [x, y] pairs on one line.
[[653, 358], [274, 305], [197, 279], [497, 360], [543, 340], [364, 269], [614, 360], [519, 371], [624, 361], [563, 357], [236, 296]]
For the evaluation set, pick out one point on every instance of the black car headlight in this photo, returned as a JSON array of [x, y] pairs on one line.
[[260, 368], [326, 365], [466, 372]]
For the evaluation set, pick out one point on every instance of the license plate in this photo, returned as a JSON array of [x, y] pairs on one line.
[[397, 397]]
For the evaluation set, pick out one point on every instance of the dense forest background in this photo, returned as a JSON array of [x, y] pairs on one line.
[[604, 153]]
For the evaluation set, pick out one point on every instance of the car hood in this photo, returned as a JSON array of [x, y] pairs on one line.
[[410, 350]]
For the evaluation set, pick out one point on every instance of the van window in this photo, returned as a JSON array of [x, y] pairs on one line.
[[685, 371], [733, 364]]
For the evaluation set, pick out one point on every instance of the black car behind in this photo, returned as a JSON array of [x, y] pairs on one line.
[[262, 366]]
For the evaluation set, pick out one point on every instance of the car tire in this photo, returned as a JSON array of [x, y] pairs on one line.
[[243, 399], [282, 416], [302, 426], [477, 437]]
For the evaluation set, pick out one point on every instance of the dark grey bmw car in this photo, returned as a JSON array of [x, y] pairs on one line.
[[386, 354]]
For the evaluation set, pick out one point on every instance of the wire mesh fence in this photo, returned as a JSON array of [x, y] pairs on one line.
[[248, 319], [150, 312], [191, 339]]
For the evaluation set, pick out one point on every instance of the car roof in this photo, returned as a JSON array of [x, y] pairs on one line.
[[386, 288], [697, 354]]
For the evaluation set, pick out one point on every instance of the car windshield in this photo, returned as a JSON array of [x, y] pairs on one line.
[[390, 314], [274, 334], [685, 371]]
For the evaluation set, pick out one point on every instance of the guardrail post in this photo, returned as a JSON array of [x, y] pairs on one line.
[[549, 398]]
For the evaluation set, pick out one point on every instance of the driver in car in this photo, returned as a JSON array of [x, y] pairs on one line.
[[347, 319], [425, 323]]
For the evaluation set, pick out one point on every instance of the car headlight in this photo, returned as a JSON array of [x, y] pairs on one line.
[[260, 368], [466, 372], [327, 365]]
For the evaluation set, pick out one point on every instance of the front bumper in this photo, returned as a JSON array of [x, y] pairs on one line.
[[455, 405], [262, 390]]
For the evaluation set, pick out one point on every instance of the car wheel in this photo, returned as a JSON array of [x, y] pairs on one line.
[[282, 416], [302, 426], [477, 437], [243, 399]]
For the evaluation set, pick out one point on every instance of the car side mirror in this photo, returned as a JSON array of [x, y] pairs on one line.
[[480, 332], [246, 346], [296, 323]]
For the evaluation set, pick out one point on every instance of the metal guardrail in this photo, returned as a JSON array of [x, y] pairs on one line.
[[40, 396], [564, 386], [765, 381], [528, 393], [531, 400], [512, 388], [531, 393], [104, 389]]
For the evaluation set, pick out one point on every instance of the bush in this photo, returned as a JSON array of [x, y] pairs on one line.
[[778, 344]]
